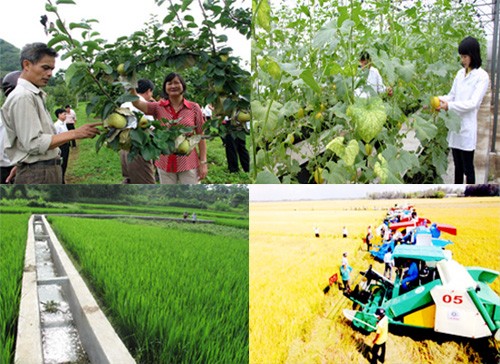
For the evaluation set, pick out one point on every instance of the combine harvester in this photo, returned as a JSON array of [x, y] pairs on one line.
[[446, 297], [416, 232]]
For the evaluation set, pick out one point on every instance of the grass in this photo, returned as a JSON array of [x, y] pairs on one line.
[[289, 267], [175, 295], [235, 219], [12, 247], [87, 167]]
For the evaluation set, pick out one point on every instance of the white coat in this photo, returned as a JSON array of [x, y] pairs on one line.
[[465, 99]]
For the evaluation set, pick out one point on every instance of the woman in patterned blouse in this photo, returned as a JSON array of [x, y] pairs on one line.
[[172, 168]]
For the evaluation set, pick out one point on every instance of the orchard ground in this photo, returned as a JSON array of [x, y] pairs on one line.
[[290, 317], [88, 167]]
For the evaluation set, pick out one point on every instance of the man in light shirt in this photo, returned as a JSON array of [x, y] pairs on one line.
[[31, 140], [61, 127], [70, 121]]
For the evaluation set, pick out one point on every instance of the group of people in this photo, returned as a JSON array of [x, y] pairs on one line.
[[465, 98], [36, 150]]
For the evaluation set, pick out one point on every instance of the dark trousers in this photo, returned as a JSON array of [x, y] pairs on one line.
[[38, 174], [5, 171], [464, 164], [65, 156], [71, 127], [235, 147], [375, 353]]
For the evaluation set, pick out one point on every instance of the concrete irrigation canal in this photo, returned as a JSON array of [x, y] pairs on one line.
[[59, 320]]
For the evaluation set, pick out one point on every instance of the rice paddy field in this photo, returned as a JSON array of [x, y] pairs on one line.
[[174, 292], [12, 248], [291, 319], [173, 295]]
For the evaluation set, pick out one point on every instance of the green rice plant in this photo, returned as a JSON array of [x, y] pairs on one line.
[[12, 247], [174, 295]]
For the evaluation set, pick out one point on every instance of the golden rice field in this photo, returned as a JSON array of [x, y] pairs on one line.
[[290, 317]]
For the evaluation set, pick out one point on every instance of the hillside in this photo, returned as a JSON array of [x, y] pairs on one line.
[[9, 58]]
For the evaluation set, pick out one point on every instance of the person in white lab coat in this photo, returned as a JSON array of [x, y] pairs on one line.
[[374, 83], [469, 87]]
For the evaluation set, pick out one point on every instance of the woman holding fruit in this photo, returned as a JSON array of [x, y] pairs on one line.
[[183, 169], [469, 87]]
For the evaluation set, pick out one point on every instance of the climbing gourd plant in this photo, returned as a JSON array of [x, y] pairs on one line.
[[307, 117]]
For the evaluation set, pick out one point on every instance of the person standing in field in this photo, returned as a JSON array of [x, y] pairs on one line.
[[60, 126], [369, 238], [7, 169], [344, 232], [389, 263], [465, 98], [378, 348], [31, 140], [70, 122], [194, 217], [139, 170], [316, 231], [345, 272], [374, 82], [173, 169]]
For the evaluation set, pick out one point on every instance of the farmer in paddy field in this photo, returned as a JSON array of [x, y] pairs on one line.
[[32, 144]]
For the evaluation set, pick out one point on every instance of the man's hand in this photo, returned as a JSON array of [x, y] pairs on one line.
[[87, 131]]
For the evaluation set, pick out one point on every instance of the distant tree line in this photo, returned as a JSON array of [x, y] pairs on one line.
[[438, 192], [218, 197], [481, 190]]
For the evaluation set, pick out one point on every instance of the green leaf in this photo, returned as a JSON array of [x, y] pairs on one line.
[[346, 27], [369, 117], [327, 36], [74, 68], [126, 98], [58, 39], [50, 8], [424, 129], [65, 2], [79, 25], [308, 77], [263, 15], [337, 146], [452, 121], [149, 152], [139, 137], [100, 142], [91, 46], [351, 151], [266, 177], [406, 71], [185, 5]]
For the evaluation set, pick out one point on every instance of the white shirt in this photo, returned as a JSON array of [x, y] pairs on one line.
[[28, 124], [131, 107], [388, 258], [4, 160], [374, 80], [465, 99], [70, 117], [60, 126], [207, 111]]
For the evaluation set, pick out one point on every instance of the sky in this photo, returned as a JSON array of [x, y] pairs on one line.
[[21, 21], [326, 192]]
